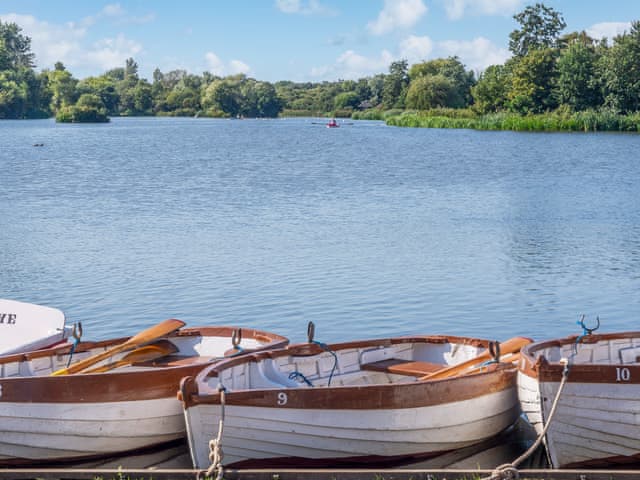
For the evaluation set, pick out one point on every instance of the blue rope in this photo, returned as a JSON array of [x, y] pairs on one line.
[[76, 340], [239, 351], [326, 348], [295, 375]]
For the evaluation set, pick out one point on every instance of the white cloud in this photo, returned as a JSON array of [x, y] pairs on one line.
[[237, 66], [214, 63], [608, 29], [476, 54], [218, 67], [118, 15], [415, 49], [456, 9], [110, 53], [66, 43], [397, 14], [310, 7], [352, 66], [113, 10]]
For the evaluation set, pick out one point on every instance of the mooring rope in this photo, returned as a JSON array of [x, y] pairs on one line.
[[215, 445], [509, 471]]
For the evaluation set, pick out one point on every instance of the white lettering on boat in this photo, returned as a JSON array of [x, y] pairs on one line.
[[623, 374], [282, 398]]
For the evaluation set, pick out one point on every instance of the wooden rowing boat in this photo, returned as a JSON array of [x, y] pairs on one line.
[[375, 402], [25, 327], [124, 402], [596, 422]]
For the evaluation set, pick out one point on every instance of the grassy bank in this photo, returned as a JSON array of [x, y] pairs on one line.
[[587, 121]]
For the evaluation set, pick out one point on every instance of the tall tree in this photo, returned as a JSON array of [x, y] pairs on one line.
[[540, 27], [63, 87], [461, 80], [621, 71], [532, 80], [491, 91], [578, 84], [395, 85], [431, 91], [15, 48]]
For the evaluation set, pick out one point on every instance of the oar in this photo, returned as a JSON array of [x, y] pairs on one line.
[[142, 338], [513, 345], [147, 353]]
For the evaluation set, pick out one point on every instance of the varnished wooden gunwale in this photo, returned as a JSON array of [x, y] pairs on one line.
[[545, 371], [151, 383], [420, 393]]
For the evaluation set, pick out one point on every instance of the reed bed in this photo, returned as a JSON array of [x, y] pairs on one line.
[[586, 121]]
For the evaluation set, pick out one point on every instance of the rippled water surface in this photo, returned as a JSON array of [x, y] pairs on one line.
[[366, 230]]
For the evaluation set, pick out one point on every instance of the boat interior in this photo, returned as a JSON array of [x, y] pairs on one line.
[[603, 351], [172, 351], [365, 365]]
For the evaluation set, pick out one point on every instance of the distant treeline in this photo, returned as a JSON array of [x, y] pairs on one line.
[[552, 81]]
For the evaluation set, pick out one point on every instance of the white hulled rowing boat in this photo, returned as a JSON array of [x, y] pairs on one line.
[[363, 402]]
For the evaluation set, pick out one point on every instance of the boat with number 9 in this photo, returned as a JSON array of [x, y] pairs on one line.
[[373, 402]]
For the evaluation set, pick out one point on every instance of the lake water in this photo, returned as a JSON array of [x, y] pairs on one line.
[[366, 230]]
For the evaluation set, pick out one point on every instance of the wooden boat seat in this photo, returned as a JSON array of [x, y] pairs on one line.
[[402, 367]]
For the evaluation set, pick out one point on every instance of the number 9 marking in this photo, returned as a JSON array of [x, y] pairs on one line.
[[282, 398]]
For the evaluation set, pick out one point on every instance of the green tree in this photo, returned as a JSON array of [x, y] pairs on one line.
[[103, 86], [15, 48], [578, 84], [88, 108], [346, 100], [532, 81], [63, 87], [220, 95], [395, 85], [540, 28], [490, 94], [431, 91], [452, 69], [268, 104], [620, 69], [13, 95]]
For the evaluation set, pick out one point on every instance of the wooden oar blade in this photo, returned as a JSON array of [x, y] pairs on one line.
[[156, 350], [157, 331], [146, 336], [513, 345]]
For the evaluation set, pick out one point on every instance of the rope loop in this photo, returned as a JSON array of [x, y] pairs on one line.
[[215, 445], [295, 375], [505, 472], [512, 467]]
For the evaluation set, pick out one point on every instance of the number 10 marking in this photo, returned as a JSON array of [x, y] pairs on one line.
[[623, 374]]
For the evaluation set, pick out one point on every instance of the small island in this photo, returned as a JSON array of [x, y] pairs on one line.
[[553, 81]]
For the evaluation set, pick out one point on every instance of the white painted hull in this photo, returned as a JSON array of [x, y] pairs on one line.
[[259, 433], [594, 422], [55, 431]]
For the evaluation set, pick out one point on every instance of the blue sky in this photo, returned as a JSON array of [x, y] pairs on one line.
[[298, 40]]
